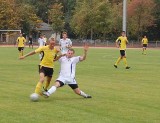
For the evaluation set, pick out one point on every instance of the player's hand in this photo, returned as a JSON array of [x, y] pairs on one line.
[[86, 47], [21, 57]]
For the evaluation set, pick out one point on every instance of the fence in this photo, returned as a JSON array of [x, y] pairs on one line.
[[134, 44], [98, 43]]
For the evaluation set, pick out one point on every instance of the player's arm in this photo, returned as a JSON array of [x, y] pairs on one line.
[[57, 57], [117, 42], [127, 41], [29, 54], [83, 57], [24, 41], [17, 42], [142, 42], [70, 44]]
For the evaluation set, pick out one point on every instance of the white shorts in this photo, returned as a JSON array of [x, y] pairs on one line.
[[67, 80]]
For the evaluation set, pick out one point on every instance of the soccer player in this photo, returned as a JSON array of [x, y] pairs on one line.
[[21, 44], [30, 42], [121, 43], [65, 43], [67, 73], [41, 43], [144, 44], [45, 39], [46, 65]]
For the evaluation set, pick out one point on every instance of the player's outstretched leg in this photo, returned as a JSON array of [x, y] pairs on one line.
[[50, 91], [53, 89], [125, 62], [81, 93], [117, 62]]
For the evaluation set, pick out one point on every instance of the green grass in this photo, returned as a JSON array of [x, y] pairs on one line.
[[119, 95]]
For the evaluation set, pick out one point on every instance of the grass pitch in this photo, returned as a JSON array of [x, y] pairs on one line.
[[119, 95]]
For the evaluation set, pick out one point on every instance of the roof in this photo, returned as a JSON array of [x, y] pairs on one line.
[[44, 26]]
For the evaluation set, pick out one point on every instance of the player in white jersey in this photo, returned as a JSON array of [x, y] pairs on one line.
[[41, 42], [67, 73], [65, 43]]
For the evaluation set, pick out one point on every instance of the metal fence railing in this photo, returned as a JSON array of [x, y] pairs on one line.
[[98, 43]]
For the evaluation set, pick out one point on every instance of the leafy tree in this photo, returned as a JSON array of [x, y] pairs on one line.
[[140, 16], [116, 18], [15, 15], [9, 17], [56, 17], [29, 19], [92, 16]]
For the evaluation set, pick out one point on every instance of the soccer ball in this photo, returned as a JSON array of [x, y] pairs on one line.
[[34, 97]]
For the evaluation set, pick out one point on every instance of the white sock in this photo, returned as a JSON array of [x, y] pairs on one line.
[[83, 94], [52, 90]]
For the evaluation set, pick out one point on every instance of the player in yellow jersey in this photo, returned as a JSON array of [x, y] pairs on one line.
[[144, 44], [121, 43], [20, 44], [46, 65]]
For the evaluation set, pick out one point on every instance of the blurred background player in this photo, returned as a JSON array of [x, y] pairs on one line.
[[41, 42], [30, 42], [121, 43], [144, 44], [65, 43], [67, 73], [21, 44], [46, 65], [45, 39]]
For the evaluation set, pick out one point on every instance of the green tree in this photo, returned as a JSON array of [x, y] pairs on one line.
[[9, 15], [92, 17], [140, 16], [15, 15], [29, 19], [56, 17]]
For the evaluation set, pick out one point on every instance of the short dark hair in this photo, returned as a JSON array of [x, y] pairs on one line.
[[72, 50], [64, 33]]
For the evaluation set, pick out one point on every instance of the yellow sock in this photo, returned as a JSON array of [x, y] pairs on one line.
[[46, 85], [125, 61], [19, 54], [38, 88], [118, 60]]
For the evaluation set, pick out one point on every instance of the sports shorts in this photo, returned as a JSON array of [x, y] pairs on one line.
[[66, 80], [122, 52], [47, 71], [20, 48], [144, 45]]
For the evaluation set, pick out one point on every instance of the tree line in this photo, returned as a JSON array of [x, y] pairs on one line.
[[86, 19]]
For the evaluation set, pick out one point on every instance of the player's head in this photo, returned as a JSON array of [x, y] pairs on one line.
[[64, 35], [70, 53], [123, 33], [41, 36], [20, 35], [145, 36], [52, 43]]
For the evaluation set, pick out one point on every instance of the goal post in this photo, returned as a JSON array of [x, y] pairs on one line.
[[9, 36]]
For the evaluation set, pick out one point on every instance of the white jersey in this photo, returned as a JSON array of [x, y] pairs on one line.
[[64, 44], [68, 66], [41, 42]]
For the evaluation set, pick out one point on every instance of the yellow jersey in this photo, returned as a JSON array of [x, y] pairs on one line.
[[122, 42], [48, 56], [21, 41], [145, 41]]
